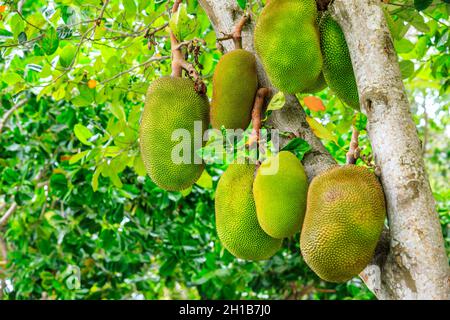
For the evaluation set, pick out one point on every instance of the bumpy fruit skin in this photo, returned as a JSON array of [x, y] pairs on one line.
[[235, 83], [280, 195], [343, 222], [337, 64], [236, 221], [287, 41], [317, 86], [171, 104]]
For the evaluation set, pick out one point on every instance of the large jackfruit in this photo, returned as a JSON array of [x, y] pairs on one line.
[[287, 41], [236, 221], [343, 222], [280, 190], [172, 104], [317, 86], [235, 83], [337, 64]]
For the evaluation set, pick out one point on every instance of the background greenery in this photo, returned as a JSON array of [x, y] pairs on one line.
[[89, 224]]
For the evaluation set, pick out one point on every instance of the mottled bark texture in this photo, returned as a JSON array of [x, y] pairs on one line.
[[410, 260], [416, 265], [224, 15]]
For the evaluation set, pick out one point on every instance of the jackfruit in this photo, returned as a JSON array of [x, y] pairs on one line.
[[337, 64], [235, 83], [236, 221], [317, 86], [280, 190], [171, 104], [344, 219], [287, 41]]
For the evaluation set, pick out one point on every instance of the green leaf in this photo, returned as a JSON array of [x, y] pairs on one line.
[[403, 46], [77, 157], [320, 131], [205, 181], [422, 4], [181, 24], [83, 134], [50, 41], [407, 68], [278, 101], [95, 176], [298, 146], [242, 3]]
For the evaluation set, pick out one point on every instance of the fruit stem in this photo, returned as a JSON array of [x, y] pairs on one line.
[[237, 33], [258, 111], [353, 153], [178, 61]]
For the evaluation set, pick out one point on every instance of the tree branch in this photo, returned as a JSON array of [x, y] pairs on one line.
[[257, 113], [9, 212], [236, 36], [8, 113], [415, 266], [178, 61], [353, 152]]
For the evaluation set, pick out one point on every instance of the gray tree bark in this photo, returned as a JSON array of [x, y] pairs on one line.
[[416, 266], [412, 264]]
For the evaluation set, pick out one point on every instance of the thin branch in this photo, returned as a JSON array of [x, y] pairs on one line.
[[257, 113], [177, 55], [354, 151], [28, 22], [5, 217], [178, 61], [135, 67], [237, 33], [10, 112]]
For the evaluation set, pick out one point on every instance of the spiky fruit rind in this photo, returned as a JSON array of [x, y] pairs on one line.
[[280, 190], [317, 86], [343, 222], [287, 41], [172, 104], [337, 64], [235, 83], [236, 221]]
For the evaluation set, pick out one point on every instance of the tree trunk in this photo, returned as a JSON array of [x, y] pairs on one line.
[[416, 266], [413, 263]]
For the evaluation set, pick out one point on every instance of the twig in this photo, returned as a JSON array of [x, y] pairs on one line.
[[237, 33], [135, 67], [178, 61], [26, 21], [10, 112], [354, 151], [258, 110], [8, 214]]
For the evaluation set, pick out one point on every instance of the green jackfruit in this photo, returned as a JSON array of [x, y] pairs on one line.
[[236, 221], [318, 85], [235, 83], [171, 104], [344, 219], [287, 41], [280, 190], [337, 64]]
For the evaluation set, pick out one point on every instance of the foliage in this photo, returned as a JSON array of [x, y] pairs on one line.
[[89, 223]]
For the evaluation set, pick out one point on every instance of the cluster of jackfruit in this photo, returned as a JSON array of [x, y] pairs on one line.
[[340, 216], [302, 51], [257, 207]]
